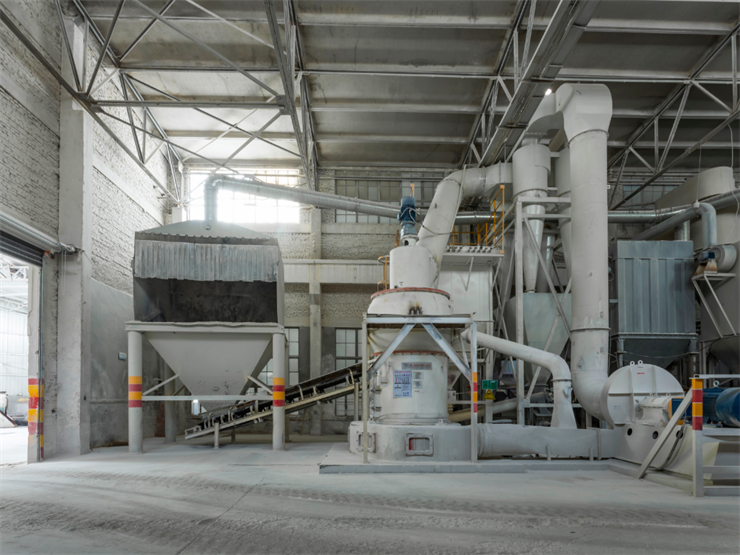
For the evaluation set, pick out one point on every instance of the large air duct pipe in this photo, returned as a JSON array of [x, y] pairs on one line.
[[562, 414], [587, 111], [562, 182], [440, 218], [584, 113], [548, 244], [259, 188], [531, 168]]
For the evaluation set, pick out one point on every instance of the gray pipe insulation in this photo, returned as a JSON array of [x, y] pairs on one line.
[[331, 201], [562, 414], [708, 218], [315, 198]]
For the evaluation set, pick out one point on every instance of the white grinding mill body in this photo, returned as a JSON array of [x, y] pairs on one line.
[[411, 387]]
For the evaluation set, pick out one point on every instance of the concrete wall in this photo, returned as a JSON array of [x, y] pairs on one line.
[[122, 200], [111, 309], [29, 117]]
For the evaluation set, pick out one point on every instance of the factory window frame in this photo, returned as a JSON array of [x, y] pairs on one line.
[[292, 337], [347, 352], [377, 189], [243, 208]]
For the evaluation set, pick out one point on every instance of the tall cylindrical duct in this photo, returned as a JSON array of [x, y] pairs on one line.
[[548, 242], [562, 182], [589, 264], [531, 167]]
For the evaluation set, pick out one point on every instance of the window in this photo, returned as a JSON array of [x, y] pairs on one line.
[[382, 191], [292, 336], [242, 208], [347, 350], [347, 353], [378, 189]]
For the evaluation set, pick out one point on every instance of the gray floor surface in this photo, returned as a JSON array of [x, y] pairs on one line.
[[242, 498]]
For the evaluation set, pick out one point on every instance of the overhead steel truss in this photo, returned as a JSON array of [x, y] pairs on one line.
[[509, 101], [533, 75], [87, 84], [679, 94]]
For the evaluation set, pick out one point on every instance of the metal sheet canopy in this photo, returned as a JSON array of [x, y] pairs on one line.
[[429, 323]]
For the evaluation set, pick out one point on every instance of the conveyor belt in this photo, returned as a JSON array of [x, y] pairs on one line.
[[328, 387]]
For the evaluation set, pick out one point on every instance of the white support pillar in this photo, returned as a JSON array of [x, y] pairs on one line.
[[72, 418], [278, 392], [135, 408], [314, 294], [170, 408]]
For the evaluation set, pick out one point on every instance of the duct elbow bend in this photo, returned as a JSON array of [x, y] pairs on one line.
[[709, 223], [562, 415]]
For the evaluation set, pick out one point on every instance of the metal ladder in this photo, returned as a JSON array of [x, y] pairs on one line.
[[328, 387]]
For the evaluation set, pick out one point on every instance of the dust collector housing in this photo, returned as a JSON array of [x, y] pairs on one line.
[[200, 271]]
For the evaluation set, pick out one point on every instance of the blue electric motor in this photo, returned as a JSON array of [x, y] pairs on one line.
[[407, 218], [721, 405], [407, 213], [726, 405]]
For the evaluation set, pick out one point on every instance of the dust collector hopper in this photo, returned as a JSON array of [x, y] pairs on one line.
[[209, 297]]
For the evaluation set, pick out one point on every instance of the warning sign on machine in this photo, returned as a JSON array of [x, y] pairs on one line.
[[402, 383]]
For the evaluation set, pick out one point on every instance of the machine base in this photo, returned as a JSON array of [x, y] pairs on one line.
[[387, 442]]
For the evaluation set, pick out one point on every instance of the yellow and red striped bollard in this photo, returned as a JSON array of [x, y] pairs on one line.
[[36, 412], [474, 393], [278, 392], [697, 404], [134, 392]]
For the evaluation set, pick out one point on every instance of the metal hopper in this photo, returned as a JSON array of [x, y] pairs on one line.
[[209, 297]]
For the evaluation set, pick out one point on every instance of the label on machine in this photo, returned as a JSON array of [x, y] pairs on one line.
[[416, 366], [402, 383]]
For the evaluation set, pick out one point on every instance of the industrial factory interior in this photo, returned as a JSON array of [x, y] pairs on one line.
[[383, 276]]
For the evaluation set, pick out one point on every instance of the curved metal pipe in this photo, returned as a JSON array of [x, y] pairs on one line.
[[562, 414], [708, 217]]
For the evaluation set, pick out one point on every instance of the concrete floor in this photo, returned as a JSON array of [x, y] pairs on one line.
[[186, 498], [13, 445]]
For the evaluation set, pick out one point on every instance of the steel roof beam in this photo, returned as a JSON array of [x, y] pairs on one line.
[[204, 46], [584, 75], [286, 75], [678, 91], [184, 104], [144, 32], [81, 100], [212, 116], [562, 34]]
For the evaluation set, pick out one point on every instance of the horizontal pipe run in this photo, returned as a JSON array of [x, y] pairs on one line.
[[315, 198], [496, 408], [360, 206], [709, 222]]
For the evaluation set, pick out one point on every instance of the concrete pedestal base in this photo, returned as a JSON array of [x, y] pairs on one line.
[[443, 442]]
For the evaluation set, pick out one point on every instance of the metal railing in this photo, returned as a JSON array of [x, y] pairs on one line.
[[385, 282], [485, 234]]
